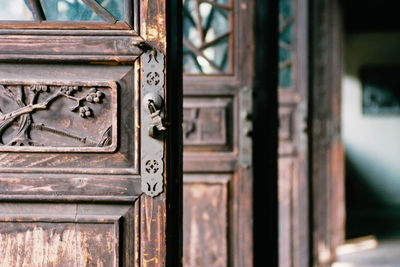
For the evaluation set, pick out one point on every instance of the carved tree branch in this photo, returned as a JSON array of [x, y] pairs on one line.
[[24, 113], [29, 108]]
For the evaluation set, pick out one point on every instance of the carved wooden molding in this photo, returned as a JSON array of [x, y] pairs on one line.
[[48, 116]]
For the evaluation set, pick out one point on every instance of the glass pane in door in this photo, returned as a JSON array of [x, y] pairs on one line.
[[68, 10], [15, 10], [206, 36], [78, 10]]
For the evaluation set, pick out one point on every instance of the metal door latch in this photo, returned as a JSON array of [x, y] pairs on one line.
[[152, 126], [154, 104], [246, 126]]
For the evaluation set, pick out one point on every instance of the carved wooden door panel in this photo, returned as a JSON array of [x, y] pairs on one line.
[[217, 198], [86, 150]]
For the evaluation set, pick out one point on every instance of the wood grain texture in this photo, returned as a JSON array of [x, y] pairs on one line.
[[286, 172], [148, 228], [67, 235], [293, 162], [49, 244], [327, 151], [208, 157], [152, 234], [153, 27], [55, 47], [205, 220]]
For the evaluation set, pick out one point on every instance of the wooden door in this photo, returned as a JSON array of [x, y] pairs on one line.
[[293, 185], [327, 152], [311, 171], [88, 141], [217, 194]]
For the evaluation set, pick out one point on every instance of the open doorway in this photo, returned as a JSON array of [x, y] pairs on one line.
[[370, 122]]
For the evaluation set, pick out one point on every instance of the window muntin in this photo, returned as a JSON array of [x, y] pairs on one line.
[[110, 12], [286, 44], [207, 36]]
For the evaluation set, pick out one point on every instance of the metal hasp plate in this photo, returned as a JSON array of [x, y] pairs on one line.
[[246, 127], [152, 148]]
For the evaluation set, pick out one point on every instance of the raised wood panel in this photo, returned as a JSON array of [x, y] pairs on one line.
[[70, 165], [285, 181], [205, 220], [293, 211], [67, 235], [287, 129], [53, 244], [126, 147], [47, 116], [207, 123]]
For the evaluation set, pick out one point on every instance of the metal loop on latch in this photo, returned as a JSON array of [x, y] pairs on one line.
[[154, 103]]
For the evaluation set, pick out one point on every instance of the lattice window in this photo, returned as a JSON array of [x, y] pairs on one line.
[[207, 34], [62, 10], [286, 44]]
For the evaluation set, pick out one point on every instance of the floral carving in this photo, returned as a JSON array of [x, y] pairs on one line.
[[38, 97]]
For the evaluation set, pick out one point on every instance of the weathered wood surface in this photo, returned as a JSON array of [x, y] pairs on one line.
[[50, 244], [62, 48], [136, 230], [79, 174], [206, 221], [218, 215], [68, 235], [327, 150], [293, 162]]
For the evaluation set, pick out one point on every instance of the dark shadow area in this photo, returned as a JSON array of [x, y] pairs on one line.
[[265, 134], [371, 15]]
